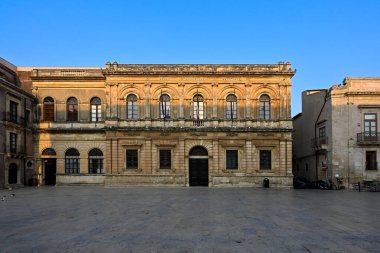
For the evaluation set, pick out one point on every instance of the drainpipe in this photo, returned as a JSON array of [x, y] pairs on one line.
[[315, 134], [25, 124]]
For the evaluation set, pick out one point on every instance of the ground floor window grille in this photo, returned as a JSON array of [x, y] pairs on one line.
[[265, 159], [72, 162], [231, 159], [165, 159], [132, 160]]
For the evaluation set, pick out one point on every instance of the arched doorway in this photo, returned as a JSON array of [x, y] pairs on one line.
[[198, 166], [49, 166], [12, 174]]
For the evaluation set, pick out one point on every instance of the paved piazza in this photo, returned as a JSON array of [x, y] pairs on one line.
[[97, 219]]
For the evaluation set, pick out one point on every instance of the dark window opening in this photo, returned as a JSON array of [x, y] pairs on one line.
[[371, 160], [165, 159], [231, 159], [13, 111], [265, 159], [132, 159]]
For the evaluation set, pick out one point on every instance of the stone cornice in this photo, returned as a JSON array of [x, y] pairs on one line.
[[65, 74], [199, 69]]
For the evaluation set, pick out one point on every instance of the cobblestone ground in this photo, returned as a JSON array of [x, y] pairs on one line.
[[97, 219]]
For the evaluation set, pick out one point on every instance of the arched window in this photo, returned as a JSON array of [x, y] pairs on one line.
[[72, 109], [132, 106], [72, 163], [231, 110], [264, 107], [48, 114], [164, 106], [198, 151], [198, 107], [49, 152], [95, 161], [96, 109]]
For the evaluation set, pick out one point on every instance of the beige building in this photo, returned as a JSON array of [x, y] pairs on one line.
[[16, 122], [172, 125], [336, 133]]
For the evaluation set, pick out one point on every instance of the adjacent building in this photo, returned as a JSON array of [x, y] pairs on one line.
[[171, 125], [336, 133], [16, 121]]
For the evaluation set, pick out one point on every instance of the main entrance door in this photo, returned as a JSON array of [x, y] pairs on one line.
[[50, 171], [198, 167]]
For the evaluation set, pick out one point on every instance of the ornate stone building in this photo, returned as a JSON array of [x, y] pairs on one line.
[[175, 125], [16, 122], [336, 133]]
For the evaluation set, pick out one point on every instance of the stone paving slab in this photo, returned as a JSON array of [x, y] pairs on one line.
[[97, 219]]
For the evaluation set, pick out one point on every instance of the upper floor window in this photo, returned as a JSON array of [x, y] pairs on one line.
[[322, 135], [132, 106], [164, 106], [13, 111], [264, 107], [96, 109], [72, 109], [198, 107], [231, 110], [370, 126], [48, 111], [12, 142], [72, 164]]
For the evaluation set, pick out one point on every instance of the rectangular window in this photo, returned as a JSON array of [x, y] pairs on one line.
[[231, 159], [370, 126], [370, 161], [13, 111], [27, 116], [132, 159], [96, 113], [165, 159], [12, 142], [322, 135], [265, 159]]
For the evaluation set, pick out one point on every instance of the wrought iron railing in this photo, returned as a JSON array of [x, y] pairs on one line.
[[368, 138]]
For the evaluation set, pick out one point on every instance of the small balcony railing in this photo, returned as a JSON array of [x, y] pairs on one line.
[[198, 123], [9, 117], [368, 138], [320, 142]]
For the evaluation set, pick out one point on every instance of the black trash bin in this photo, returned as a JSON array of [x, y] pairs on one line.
[[266, 183]]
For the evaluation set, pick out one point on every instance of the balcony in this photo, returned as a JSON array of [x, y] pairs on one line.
[[368, 138], [320, 143], [8, 117]]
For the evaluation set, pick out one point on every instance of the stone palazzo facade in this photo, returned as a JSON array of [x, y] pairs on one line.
[[163, 125]]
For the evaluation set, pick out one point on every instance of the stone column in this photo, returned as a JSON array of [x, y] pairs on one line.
[[148, 100], [214, 101], [248, 88], [181, 88], [248, 157]]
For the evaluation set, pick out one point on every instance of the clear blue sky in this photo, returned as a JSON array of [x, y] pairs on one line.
[[324, 40]]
